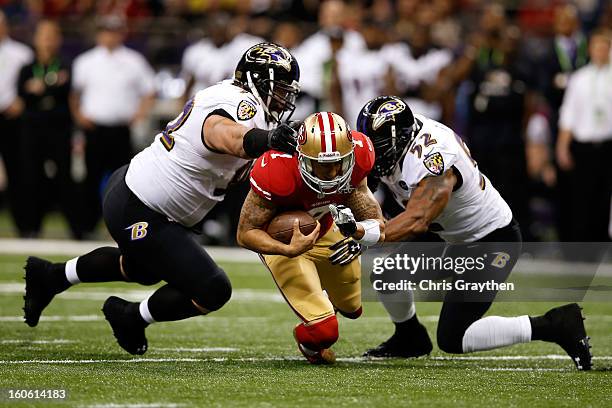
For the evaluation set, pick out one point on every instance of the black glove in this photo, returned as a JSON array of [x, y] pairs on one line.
[[295, 124], [283, 138], [345, 251], [344, 219]]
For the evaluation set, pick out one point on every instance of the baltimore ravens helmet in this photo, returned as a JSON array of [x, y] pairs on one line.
[[272, 75], [390, 124]]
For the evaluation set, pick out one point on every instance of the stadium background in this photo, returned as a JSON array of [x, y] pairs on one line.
[[244, 354], [350, 52]]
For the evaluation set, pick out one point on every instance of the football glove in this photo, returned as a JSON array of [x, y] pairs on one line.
[[283, 138], [345, 251], [344, 219]]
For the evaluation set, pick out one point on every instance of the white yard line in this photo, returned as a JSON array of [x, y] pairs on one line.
[[24, 341], [42, 247], [289, 358], [196, 350], [137, 405], [102, 293]]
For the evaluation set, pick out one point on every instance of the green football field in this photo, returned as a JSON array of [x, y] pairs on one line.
[[244, 355]]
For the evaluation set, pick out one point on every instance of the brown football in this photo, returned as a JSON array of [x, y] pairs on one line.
[[281, 226]]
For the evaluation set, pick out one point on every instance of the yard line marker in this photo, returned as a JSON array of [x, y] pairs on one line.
[[136, 405], [280, 358], [246, 295], [196, 349], [24, 341]]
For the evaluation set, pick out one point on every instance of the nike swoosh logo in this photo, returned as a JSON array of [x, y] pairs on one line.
[[263, 162]]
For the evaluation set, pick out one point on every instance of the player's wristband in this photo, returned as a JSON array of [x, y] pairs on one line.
[[371, 233], [255, 142]]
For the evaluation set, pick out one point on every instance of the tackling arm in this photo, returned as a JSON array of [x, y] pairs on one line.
[[426, 203], [255, 215], [224, 135]]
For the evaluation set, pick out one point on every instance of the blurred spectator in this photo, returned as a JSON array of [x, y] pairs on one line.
[[317, 56], [113, 89], [584, 145], [363, 73], [415, 70], [200, 65], [499, 101], [13, 56], [46, 135], [564, 53]]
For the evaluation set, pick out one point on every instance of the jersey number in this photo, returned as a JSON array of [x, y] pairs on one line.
[[166, 138], [417, 149]]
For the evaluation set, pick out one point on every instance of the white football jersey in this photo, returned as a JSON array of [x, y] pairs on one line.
[[180, 177], [475, 209]]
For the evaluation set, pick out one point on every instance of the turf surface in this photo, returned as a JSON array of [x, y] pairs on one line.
[[244, 355]]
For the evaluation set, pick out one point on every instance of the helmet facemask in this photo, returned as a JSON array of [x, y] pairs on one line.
[[277, 97], [326, 187]]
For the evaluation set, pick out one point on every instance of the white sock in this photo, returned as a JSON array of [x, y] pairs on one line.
[[71, 272], [144, 311], [399, 305], [495, 331]]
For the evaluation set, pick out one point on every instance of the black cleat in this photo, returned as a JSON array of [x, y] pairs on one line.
[[409, 345], [128, 327], [43, 282], [568, 331]]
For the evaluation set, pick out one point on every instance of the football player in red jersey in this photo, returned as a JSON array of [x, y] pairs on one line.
[[327, 178]]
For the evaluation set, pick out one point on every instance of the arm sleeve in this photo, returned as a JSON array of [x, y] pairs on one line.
[[147, 77], [78, 75], [568, 113]]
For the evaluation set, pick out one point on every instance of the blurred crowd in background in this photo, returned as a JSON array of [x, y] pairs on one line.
[[85, 84]]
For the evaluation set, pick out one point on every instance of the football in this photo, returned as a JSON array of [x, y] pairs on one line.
[[281, 226]]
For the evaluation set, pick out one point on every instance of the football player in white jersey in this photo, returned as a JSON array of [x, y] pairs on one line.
[[152, 206], [431, 174]]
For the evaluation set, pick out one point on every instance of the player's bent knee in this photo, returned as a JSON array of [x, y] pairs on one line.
[[318, 335], [450, 341], [217, 293]]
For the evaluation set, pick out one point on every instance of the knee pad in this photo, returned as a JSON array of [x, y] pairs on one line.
[[351, 315], [449, 340], [217, 292], [319, 335]]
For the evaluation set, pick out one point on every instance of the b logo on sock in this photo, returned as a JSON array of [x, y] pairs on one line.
[[139, 230]]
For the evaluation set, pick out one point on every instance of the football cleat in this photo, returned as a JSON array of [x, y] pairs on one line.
[[568, 330], [323, 356], [42, 283], [128, 328], [409, 345]]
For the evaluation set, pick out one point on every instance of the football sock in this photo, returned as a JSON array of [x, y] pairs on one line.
[[495, 331], [168, 304], [100, 265], [399, 305]]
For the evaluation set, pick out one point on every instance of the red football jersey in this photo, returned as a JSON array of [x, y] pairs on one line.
[[276, 178]]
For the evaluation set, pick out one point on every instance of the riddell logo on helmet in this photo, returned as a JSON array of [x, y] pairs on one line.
[[326, 156]]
